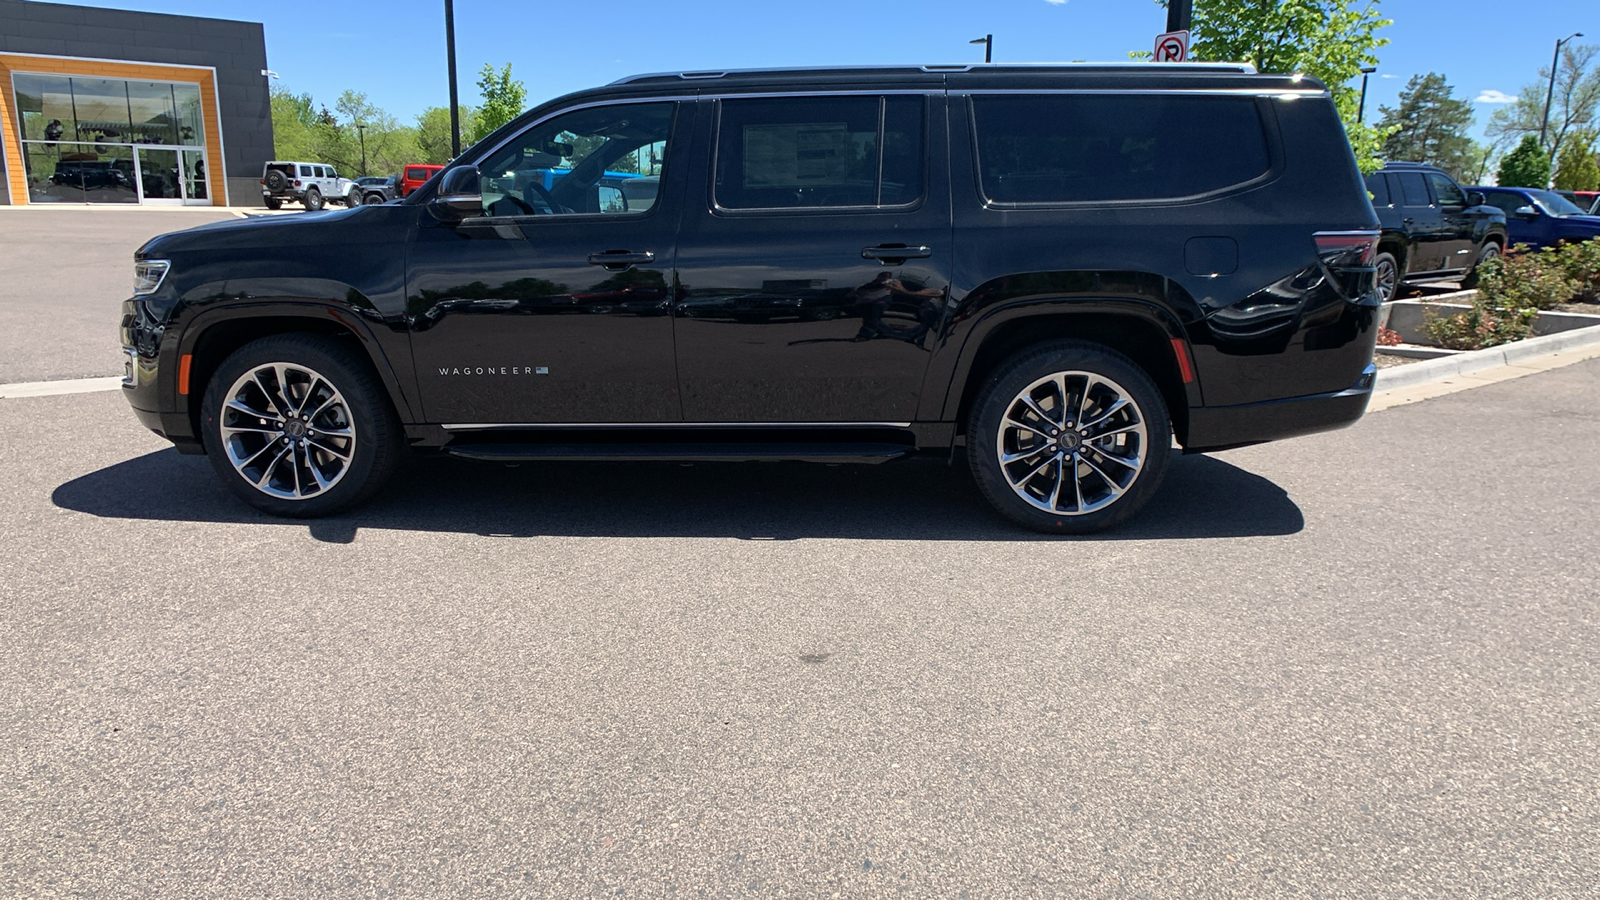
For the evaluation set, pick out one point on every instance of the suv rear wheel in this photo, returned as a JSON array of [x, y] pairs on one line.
[[272, 202], [313, 199], [1388, 275], [1069, 438], [298, 426]]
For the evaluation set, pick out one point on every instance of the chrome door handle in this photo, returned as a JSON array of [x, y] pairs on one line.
[[617, 260]]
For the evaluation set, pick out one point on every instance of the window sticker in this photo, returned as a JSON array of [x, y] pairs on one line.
[[792, 156]]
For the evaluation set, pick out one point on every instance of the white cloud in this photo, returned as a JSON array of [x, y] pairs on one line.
[[1056, 2], [1493, 96], [1387, 75]]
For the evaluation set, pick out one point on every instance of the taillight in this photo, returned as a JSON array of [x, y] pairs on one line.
[[1345, 249], [1347, 257], [297, 182]]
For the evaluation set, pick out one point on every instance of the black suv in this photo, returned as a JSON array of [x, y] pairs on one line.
[[1059, 269], [1433, 228]]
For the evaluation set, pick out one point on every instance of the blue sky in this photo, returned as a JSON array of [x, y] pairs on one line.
[[393, 50]]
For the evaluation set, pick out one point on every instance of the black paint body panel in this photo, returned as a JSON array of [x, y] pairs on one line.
[[775, 317]]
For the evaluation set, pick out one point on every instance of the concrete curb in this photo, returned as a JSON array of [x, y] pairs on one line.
[[1491, 358]]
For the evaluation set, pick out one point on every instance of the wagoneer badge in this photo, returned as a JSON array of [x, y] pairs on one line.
[[495, 370]]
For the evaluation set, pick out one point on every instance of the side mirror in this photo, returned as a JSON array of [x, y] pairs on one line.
[[1526, 212], [1475, 198], [458, 196]]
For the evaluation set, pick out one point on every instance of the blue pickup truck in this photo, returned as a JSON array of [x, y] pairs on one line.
[[1541, 218]]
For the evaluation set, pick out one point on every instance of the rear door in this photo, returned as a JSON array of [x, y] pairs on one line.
[[1421, 218], [814, 258]]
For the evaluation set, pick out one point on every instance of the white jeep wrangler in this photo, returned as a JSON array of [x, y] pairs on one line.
[[303, 182]]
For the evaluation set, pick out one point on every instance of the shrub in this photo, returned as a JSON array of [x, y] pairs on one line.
[[1388, 337], [1484, 325], [1582, 264], [1523, 279]]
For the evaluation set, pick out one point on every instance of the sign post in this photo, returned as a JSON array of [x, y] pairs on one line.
[[1172, 46]]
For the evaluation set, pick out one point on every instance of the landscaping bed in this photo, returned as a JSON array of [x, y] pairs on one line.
[[1520, 296]]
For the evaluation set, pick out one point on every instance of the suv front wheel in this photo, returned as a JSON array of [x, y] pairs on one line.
[[1069, 438], [298, 426]]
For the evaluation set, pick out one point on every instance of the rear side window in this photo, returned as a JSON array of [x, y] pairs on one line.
[[1074, 148], [816, 152], [1413, 189], [1379, 186], [417, 174]]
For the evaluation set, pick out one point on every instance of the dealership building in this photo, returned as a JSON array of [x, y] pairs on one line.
[[101, 106]]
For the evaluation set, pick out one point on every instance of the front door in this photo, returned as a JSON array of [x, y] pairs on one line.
[[554, 307], [815, 262], [160, 177], [1457, 225]]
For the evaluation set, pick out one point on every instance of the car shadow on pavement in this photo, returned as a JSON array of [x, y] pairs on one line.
[[1202, 497]]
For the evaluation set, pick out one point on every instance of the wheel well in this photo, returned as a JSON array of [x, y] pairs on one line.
[[1138, 339], [1397, 249], [219, 341]]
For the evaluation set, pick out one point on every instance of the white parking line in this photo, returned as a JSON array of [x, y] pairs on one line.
[[52, 388]]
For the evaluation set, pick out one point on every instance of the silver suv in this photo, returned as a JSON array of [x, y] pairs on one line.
[[312, 184]]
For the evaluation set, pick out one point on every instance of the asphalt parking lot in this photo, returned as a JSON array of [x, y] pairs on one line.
[[1354, 665]]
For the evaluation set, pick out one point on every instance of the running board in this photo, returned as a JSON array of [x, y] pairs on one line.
[[686, 452]]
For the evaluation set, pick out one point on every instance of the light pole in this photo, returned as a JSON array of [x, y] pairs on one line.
[[1361, 108], [450, 53], [362, 130], [1549, 94], [1178, 15], [988, 46]]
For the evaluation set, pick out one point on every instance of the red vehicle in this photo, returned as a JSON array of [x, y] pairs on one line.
[[413, 177]]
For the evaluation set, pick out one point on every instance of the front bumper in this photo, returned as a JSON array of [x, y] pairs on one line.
[[1221, 427], [149, 379]]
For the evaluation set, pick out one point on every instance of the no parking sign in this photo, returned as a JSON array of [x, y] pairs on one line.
[[1172, 46]]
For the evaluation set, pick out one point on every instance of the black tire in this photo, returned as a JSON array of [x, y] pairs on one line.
[[372, 199], [275, 181], [272, 202], [365, 411], [1387, 276], [1118, 377], [352, 199], [1490, 250], [313, 200]]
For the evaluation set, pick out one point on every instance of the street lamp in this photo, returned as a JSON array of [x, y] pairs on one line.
[[1361, 109], [988, 46], [1550, 93], [362, 129]]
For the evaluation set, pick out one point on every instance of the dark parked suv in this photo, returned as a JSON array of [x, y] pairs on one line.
[[1057, 269], [1433, 228]]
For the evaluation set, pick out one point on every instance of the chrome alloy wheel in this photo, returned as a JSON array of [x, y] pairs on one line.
[[288, 431], [1388, 279], [1072, 443]]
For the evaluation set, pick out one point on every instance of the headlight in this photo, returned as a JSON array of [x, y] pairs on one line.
[[148, 275]]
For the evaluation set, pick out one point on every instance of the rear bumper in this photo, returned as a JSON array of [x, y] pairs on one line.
[[1221, 427]]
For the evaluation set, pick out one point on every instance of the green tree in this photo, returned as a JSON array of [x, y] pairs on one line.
[[1526, 166], [1430, 125], [1573, 105], [293, 117], [1578, 169], [1329, 39], [503, 99], [433, 132]]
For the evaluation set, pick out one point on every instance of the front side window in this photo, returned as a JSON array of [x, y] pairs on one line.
[[1446, 190], [815, 152], [1076, 148], [600, 160], [1505, 200]]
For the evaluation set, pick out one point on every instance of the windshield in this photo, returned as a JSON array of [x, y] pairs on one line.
[[1554, 204]]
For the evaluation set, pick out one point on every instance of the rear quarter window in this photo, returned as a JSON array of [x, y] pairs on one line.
[[1085, 148], [417, 174]]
